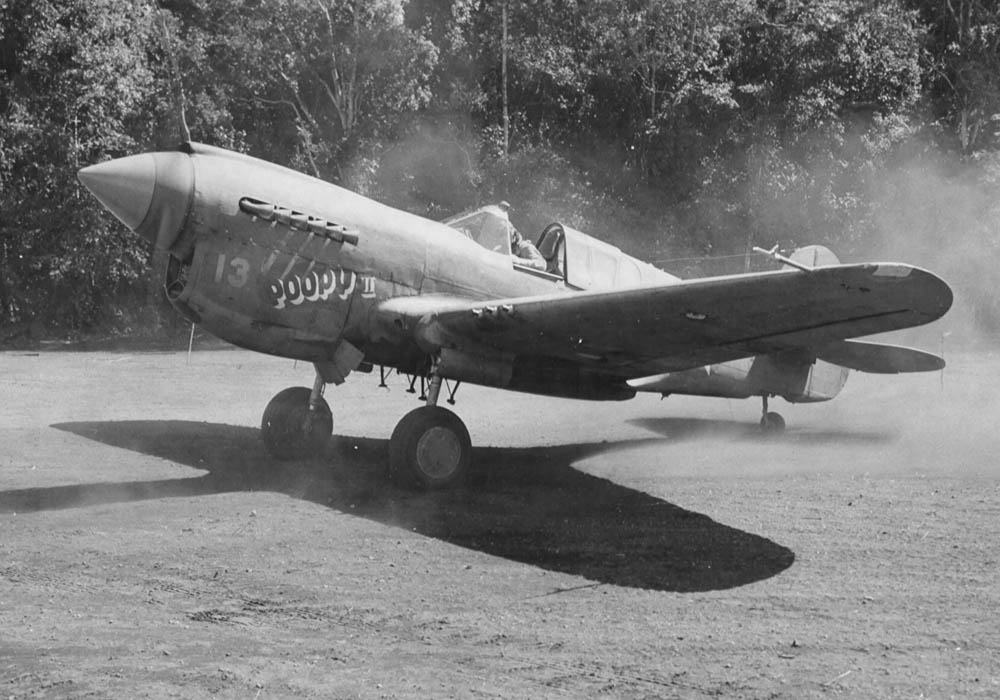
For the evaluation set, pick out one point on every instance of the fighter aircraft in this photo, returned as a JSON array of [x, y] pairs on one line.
[[279, 262]]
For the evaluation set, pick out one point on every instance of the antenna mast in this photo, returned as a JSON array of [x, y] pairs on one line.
[[179, 101], [503, 70]]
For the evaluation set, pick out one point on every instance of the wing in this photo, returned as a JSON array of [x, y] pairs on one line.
[[665, 328]]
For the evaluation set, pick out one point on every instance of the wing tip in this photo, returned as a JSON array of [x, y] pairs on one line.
[[932, 297]]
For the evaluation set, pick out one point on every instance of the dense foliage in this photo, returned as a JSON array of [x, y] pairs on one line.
[[673, 128]]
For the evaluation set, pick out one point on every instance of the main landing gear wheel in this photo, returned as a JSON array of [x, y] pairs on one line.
[[291, 430], [431, 447]]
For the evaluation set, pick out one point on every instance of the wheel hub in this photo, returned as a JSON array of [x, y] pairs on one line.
[[439, 452]]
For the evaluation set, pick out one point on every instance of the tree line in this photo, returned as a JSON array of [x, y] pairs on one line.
[[684, 131]]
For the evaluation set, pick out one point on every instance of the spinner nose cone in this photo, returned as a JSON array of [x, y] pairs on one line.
[[150, 193], [124, 186]]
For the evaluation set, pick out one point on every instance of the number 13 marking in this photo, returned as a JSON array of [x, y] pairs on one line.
[[238, 275]]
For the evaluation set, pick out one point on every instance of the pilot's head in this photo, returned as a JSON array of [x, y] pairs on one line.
[[515, 235]]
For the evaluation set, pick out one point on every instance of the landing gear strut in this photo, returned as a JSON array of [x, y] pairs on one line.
[[297, 422], [771, 423], [430, 446]]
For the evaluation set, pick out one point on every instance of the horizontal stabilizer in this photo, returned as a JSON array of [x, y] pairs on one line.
[[878, 358]]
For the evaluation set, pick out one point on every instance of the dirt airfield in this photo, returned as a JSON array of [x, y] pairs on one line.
[[645, 549]]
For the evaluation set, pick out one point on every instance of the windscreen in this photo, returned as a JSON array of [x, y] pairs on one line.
[[486, 227]]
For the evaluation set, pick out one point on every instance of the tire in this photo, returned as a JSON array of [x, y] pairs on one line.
[[430, 449], [291, 431]]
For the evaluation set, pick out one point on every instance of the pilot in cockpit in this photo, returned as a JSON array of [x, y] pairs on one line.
[[524, 249]]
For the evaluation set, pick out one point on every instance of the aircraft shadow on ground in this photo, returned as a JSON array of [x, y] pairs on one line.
[[526, 504], [700, 428]]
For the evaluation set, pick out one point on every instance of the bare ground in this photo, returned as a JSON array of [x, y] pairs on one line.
[[646, 549]]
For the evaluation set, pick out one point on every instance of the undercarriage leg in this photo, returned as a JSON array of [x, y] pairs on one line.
[[316, 395], [433, 386]]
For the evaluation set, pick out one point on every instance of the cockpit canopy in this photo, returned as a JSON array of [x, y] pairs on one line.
[[582, 261]]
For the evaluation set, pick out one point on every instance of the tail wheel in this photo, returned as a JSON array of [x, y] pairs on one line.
[[430, 447], [772, 424], [291, 430]]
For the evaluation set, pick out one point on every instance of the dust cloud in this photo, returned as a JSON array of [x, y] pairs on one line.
[[945, 216], [433, 171]]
